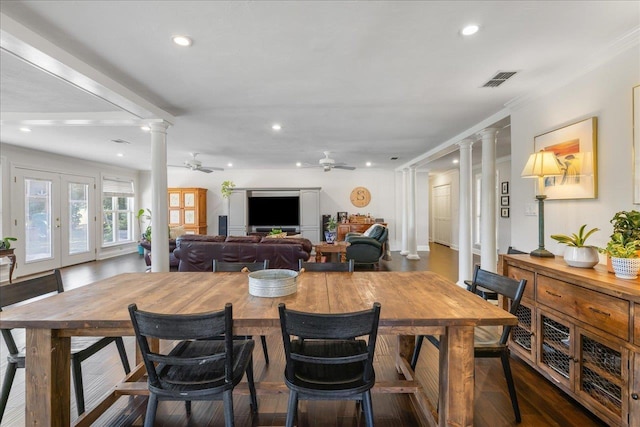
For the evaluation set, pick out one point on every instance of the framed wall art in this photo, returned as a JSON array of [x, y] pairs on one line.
[[636, 145], [504, 187], [504, 201], [575, 147], [504, 212]]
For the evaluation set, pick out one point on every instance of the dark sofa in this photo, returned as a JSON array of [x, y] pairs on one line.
[[197, 252]]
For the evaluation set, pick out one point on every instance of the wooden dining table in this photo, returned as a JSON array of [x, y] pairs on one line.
[[412, 303]]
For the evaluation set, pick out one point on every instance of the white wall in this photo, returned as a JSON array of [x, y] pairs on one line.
[[604, 92], [335, 187]]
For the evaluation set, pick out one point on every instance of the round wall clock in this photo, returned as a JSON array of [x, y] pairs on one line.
[[360, 197]]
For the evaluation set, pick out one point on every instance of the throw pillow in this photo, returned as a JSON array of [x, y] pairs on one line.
[[375, 231], [175, 232], [276, 236]]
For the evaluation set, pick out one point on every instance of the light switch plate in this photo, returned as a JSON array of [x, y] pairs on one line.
[[531, 209]]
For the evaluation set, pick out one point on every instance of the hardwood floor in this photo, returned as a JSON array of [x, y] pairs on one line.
[[541, 403]]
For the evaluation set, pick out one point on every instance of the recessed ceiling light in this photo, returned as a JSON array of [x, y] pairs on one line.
[[145, 128], [455, 161], [368, 163], [298, 164], [276, 126], [120, 155], [182, 41], [230, 164], [470, 30], [25, 129]]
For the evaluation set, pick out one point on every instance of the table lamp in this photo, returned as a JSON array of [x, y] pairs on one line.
[[541, 165]]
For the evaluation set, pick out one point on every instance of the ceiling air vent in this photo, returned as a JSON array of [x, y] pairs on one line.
[[120, 141], [499, 78]]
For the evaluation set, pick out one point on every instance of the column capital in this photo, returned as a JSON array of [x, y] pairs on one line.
[[465, 143], [488, 132], [160, 126]]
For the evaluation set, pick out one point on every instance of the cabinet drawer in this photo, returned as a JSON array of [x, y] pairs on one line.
[[519, 274], [602, 311]]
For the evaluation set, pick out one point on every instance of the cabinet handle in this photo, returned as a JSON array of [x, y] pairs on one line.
[[595, 310], [634, 396], [552, 294]]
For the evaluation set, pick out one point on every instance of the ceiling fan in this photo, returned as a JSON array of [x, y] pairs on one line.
[[328, 163], [196, 165]]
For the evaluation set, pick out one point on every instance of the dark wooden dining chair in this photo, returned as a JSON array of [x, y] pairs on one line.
[[327, 359], [81, 347], [490, 341], [197, 368], [222, 266], [327, 266]]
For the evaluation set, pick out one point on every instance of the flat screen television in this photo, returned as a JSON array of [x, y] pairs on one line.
[[274, 211]]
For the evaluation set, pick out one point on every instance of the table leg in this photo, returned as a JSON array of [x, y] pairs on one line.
[[457, 380], [318, 255], [12, 258], [47, 378]]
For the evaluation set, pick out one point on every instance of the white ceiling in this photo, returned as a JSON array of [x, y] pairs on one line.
[[364, 80]]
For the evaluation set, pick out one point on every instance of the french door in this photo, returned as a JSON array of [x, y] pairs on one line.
[[55, 220]]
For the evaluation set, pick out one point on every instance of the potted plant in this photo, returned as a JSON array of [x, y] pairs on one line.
[[330, 233], [226, 188], [624, 256], [577, 253], [6, 242], [144, 215], [627, 223]]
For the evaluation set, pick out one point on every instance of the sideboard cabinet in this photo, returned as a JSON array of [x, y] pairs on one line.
[[188, 208], [580, 328]]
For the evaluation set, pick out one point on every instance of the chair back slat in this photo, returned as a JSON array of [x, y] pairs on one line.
[[502, 285], [224, 266], [31, 288], [178, 327], [329, 326], [327, 266]]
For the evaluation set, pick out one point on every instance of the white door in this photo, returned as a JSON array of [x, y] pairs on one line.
[[442, 214], [55, 220]]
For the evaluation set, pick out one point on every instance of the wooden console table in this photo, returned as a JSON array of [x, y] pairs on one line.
[[332, 248], [580, 328], [353, 227], [12, 259]]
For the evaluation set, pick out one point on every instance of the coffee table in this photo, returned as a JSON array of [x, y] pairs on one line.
[[332, 248]]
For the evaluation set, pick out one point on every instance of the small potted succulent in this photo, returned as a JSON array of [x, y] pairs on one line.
[[578, 253], [624, 256], [627, 223], [330, 234]]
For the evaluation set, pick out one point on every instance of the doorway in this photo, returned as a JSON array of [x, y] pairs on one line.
[[55, 220], [442, 214]]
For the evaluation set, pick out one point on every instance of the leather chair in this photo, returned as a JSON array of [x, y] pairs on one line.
[[173, 261], [368, 247]]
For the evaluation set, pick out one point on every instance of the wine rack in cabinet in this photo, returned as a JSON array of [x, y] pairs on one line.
[[580, 328]]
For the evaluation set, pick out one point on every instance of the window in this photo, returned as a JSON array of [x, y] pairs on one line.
[[117, 211]]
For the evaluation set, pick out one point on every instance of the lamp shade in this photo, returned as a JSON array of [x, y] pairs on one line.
[[540, 164]]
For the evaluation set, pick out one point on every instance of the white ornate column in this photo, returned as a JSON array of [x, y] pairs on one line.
[[465, 249], [412, 231], [405, 212], [159, 207], [488, 246]]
